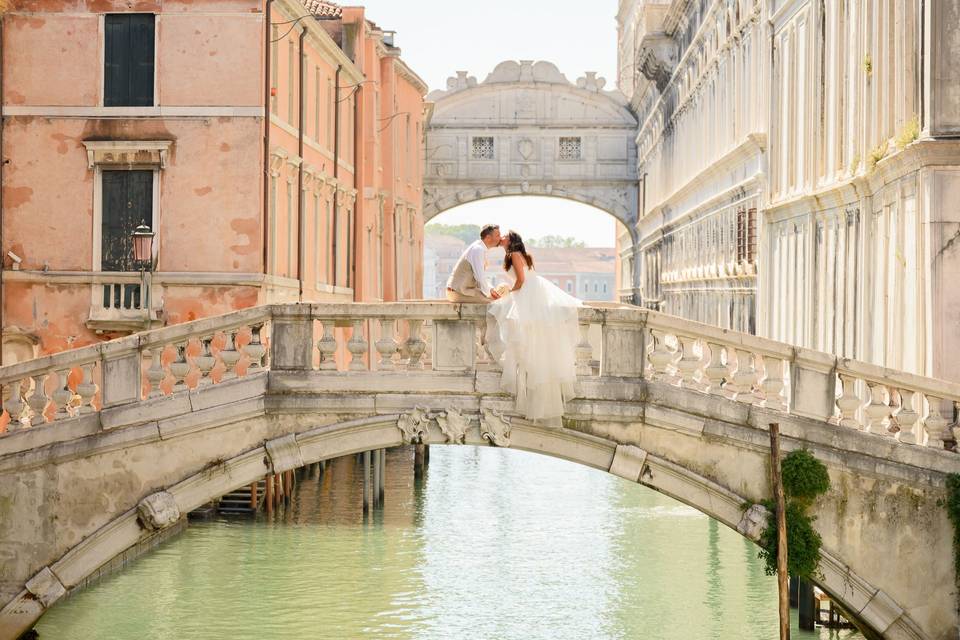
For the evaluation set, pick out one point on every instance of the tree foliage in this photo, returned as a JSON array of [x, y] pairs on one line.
[[466, 232], [555, 242]]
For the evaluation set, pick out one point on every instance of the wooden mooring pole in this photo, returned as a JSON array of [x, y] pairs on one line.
[[783, 579], [366, 482]]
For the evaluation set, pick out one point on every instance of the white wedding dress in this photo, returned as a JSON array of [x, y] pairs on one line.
[[533, 333]]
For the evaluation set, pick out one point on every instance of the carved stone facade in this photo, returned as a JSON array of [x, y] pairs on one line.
[[527, 130], [796, 175]]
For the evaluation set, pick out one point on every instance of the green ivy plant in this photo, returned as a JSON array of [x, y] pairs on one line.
[[804, 479]]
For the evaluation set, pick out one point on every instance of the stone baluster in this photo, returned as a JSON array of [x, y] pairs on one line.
[[414, 345], [38, 400], [62, 395], [849, 403], [155, 373], [205, 361], [229, 355], [15, 405], [907, 417], [771, 389], [689, 364], [660, 356], [357, 346], [254, 349], [386, 345], [744, 378], [584, 351], [87, 389], [877, 410], [716, 370], [179, 368], [327, 347], [935, 425]]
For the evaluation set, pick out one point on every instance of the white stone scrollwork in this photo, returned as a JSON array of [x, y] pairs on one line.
[[628, 462], [453, 425], [495, 428], [414, 426], [284, 453], [46, 587], [754, 521], [158, 510]]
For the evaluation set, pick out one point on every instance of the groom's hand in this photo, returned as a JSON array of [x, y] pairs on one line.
[[494, 294]]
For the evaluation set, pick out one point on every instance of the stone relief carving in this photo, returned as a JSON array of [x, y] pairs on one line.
[[158, 510], [495, 428], [453, 425], [754, 521], [414, 426], [525, 148]]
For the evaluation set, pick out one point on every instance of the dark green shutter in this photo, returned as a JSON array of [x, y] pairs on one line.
[[127, 202], [128, 60]]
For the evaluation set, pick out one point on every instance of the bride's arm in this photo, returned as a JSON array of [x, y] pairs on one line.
[[519, 268]]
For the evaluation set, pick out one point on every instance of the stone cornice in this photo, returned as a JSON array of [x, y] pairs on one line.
[[409, 75]]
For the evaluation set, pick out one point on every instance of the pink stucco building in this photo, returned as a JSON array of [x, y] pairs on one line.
[[118, 113]]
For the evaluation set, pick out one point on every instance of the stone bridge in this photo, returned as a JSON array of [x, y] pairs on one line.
[[109, 443]]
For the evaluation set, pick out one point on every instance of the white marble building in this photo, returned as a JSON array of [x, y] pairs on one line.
[[799, 170]]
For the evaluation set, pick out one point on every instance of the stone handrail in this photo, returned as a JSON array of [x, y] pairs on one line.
[[447, 339]]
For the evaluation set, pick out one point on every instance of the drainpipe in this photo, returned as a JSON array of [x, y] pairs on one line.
[[336, 165], [266, 132], [303, 34], [356, 188]]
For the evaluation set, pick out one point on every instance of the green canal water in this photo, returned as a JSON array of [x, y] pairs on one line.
[[490, 544]]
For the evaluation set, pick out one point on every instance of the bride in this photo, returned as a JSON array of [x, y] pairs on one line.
[[534, 336]]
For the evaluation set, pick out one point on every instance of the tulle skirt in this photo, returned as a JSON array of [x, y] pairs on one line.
[[533, 334]]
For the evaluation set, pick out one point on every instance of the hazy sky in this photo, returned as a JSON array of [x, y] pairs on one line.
[[439, 37]]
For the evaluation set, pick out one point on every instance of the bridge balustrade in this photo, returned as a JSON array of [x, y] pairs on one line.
[[357, 339]]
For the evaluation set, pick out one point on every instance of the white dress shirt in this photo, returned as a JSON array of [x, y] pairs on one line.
[[476, 255]]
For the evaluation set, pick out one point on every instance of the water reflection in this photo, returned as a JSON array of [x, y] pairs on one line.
[[489, 544]]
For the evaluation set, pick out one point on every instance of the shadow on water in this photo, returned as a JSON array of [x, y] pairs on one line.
[[487, 544]]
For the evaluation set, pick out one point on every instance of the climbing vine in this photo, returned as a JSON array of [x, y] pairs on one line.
[[804, 478], [953, 512]]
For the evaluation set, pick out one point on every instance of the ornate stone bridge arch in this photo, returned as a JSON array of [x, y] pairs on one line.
[[527, 130]]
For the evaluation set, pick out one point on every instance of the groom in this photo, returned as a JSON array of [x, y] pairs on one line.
[[466, 283]]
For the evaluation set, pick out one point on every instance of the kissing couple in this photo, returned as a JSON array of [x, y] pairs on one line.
[[532, 324]]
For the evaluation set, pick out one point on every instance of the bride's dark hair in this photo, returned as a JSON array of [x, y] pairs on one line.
[[515, 245]]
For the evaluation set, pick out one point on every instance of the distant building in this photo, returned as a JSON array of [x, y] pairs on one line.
[[440, 253]]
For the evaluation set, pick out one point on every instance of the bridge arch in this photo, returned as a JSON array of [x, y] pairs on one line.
[[437, 428], [527, 130]]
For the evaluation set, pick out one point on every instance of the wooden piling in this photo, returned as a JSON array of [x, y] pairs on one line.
[[418, 456], [783, 579], [376, 478], [367, 489], [254, 502], [383, 473], [268, 492], [806, 605]]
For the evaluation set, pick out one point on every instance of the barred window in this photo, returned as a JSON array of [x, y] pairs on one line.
[[570, 148], [746, 235], [483, 148]]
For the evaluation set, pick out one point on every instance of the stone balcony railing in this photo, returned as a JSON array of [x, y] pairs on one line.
[[443, 340]]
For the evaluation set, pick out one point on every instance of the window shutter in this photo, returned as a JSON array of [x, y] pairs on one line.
[[116, 88], [128, 60], [141, 59]]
